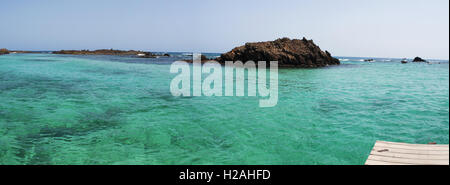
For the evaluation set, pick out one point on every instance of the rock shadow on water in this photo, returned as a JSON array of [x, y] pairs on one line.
[[107, 72], [37, 86], [94, 121], [384, 103], [33, 145], [42, 60], [163, 95], [171, 98], [327, 106], [345, 66], [87, 122]]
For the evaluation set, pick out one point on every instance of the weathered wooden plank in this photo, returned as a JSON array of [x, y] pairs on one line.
[[406, 151], [430, 145], [373, 162], [389, 153], [409, 147], [408, 161], [410, 156]]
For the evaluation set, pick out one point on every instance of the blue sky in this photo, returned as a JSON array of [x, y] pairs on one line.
[[381, 28]]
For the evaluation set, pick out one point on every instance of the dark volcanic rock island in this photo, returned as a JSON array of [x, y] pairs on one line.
[[289, 53]]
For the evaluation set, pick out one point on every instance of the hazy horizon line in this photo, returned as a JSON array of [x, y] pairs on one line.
[[155, 51]]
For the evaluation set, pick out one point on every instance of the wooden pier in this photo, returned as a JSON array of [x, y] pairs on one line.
[[390, 153]]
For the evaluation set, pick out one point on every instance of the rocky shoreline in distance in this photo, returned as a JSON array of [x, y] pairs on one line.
[[141, 54], [290, 53]]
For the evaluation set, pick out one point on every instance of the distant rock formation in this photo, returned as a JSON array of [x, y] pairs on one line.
[[289, 53], [4, 51], [141, 54], [418, 59], [203, 59]]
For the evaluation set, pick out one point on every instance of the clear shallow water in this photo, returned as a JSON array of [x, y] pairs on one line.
[[116, 110]]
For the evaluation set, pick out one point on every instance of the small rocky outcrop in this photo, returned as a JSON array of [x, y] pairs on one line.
[[146, 55], [418, 59], [203, 59], [289, 53], [4, 51]]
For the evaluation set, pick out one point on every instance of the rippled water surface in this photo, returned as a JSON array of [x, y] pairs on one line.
[[117, 110]]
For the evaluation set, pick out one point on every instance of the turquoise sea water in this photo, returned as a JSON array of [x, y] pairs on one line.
[[118, 110]]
